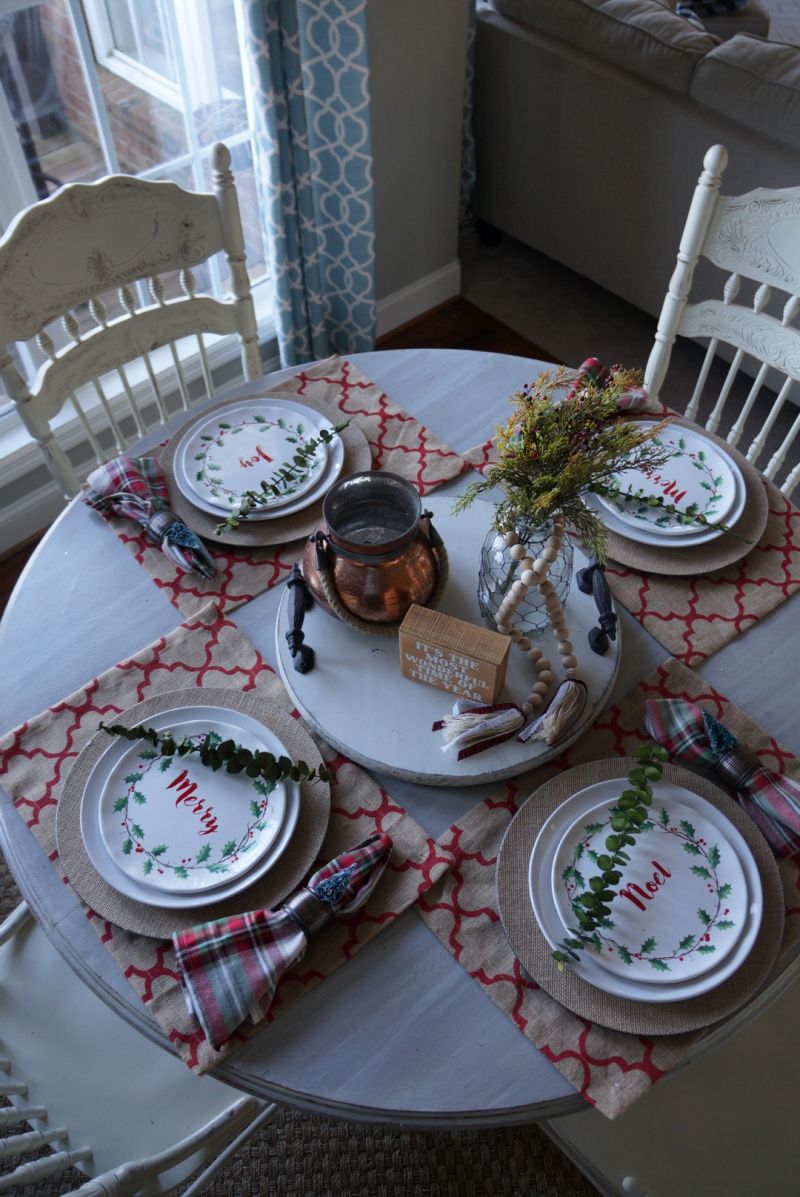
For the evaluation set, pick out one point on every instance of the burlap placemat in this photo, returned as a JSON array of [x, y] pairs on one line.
[[397, 442], [284, 876], [257, 534], [610, 1068], [608, 1010], [210, 652]]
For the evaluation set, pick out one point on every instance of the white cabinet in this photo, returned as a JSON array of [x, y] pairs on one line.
[[726, 1125]]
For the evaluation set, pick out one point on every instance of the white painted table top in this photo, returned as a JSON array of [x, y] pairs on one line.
[[432, 1049]]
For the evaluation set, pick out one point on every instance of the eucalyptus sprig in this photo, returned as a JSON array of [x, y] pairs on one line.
[[253, 500], [216, 753], [689, 516], [593, 907]]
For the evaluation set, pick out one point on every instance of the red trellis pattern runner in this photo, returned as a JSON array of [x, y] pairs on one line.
[[210, 651], [398, 442], [694, 617], [609, 1068]]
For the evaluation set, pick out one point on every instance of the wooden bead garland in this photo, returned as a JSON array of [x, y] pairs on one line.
[[534, 573]]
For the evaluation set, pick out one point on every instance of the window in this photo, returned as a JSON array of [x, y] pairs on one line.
[[142, 87]]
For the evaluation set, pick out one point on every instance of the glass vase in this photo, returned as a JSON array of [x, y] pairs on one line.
[[498, 572]]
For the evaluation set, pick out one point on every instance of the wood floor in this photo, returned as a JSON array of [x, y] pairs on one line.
[[456, 324]]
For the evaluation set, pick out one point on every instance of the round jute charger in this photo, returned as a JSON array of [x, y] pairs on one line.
[[259, 534], [625, 1014], [277, 883], [725, 550]]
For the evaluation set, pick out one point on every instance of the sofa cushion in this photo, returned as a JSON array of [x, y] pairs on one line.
[[755, 83], [639, 36]]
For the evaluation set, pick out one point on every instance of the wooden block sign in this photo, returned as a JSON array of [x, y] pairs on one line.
[[453, 655]]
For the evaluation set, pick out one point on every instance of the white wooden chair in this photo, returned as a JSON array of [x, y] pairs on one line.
[[750, 237], [97, 1091], [86, 241]]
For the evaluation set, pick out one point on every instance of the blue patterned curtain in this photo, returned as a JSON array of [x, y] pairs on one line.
[[308, 65]]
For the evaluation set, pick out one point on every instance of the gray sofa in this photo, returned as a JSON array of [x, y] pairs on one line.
[[592, 120]]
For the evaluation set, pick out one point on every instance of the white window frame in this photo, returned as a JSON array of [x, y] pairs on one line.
[[194, 32]]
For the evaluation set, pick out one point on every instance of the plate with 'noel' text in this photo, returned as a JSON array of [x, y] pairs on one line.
[[681, 905]]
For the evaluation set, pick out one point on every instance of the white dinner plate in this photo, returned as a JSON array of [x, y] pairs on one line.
[[699, 473], [540, 871], [243, 444], [681, 905], [186, 892], [645, 534]]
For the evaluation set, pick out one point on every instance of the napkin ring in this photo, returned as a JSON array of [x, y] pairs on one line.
[[159, 524], [736, 766], [307, 910]]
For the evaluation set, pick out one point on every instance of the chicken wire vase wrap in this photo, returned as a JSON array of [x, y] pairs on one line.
[[499, 570]]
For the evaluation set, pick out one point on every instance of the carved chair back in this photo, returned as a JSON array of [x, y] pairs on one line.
[[755, 240], [71, 271]]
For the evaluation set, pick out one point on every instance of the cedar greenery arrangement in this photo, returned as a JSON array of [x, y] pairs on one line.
[[593, 907], [253, 500], [556, 447], [216, 753]]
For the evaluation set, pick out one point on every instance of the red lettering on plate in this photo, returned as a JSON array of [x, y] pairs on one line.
[[186, 791], [651, 888]]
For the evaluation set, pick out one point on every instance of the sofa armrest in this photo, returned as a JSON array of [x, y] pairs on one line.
[[754, 83]]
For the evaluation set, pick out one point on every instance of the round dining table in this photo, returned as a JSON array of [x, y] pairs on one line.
[[401, 1034]]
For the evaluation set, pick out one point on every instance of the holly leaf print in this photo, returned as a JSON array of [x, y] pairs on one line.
[[687, 829], [725, 890], [686, 943], [725, 924], [578, 851], [147, 867], [706, 949], [139, 797], [704, 916], [593, 828], [149, 754], [159, 851], [120, 804], [136, 831], [203, 854], [648, 946], [663, 817], [701, 871], [229, 848], [713, 856], [127, 847], [181, 872], [132, 778], [660, 966], [165, 764], [255, 809], [692, 849], [624, 954]]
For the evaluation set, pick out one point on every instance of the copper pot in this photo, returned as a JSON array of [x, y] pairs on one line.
[[376, 546]]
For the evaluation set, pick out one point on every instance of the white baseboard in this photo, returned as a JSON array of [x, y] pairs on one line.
[[404, 305]]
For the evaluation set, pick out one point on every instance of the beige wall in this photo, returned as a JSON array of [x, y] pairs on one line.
[[417, 52]]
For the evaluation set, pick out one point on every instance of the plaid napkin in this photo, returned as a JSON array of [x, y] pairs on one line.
[[230, 968], [691, 734], [134, 487]]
